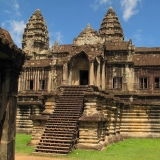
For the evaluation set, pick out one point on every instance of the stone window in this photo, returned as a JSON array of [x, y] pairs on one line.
[[31, 84], [42, 84], [143, 83], [157, 82], [117, 82]]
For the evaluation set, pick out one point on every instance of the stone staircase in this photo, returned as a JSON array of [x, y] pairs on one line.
[[61, 131]]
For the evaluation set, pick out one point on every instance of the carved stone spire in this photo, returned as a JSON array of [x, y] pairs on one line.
[[35, 37], [111, 29]]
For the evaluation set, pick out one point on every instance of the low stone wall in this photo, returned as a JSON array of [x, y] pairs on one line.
[[23, 123], [140, 121], [38, 128]]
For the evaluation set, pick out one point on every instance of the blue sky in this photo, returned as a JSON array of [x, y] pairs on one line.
[[140, 19]]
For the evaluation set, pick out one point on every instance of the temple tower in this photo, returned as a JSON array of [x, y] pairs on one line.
[[35, 37], [111, 29]]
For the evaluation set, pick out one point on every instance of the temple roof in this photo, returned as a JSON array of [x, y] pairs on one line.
[[91, 50], [9, 51], [111, 27], [116, 46], [5, 34], [35, 37], [146, 59], [87, 36], [147, 56], [145, 49], [38, 63]]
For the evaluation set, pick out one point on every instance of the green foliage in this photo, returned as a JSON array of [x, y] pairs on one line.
[[129, 149], [21, 144]]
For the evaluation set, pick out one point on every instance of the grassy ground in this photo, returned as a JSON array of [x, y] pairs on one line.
[[21, 144], [130, 149]]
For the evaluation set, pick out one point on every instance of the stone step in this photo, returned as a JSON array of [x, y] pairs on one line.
[[48, 131], [64, 117], [59, 147], [68, 104], [59, 121], [58, 134], [56, 137], [55, 144], [60, 126], [64, 114], [57, 140], [58, 112], [51, 151], [62, 122], [75, 108], [65, 130]]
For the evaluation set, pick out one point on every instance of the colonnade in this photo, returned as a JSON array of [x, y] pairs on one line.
[[97, 79]]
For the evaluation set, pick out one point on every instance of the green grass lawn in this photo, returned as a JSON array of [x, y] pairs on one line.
[[129, 149], [21, 144]]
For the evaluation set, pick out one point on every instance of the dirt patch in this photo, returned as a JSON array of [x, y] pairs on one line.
[[31, 157]]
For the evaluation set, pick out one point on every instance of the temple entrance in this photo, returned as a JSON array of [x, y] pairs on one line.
[[79, 70], [83, 77]]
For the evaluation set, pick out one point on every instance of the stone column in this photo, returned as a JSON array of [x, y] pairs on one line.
[[65, 73], [91, 73], [103, 76], [70, 76], [8, 115], [98, 80], [49, 87]]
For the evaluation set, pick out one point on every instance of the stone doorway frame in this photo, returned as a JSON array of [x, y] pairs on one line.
[[83, 77]]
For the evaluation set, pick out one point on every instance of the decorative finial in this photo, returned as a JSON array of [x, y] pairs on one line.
[[55, 43], [88, 25], [37, 11]]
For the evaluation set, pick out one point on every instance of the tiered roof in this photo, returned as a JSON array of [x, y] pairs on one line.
[[111, 27], [35, 35]]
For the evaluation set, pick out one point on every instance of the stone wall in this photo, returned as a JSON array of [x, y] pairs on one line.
[[99, 124], [140, 121]]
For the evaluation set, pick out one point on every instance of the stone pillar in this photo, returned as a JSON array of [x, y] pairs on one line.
[[70, 76], [92, 124], [8, 115], [50, 104], [98, 80], [49, 87], [65, 73], [103, 76], [91, 73]]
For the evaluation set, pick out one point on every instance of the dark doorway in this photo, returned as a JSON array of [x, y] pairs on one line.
[[83, 77]]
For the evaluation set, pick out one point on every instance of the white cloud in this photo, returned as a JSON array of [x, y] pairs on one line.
[[7, 11], [16, 7], [58, 37], [98, 3], [16, 29], [129, 8], [138, 35], [55, 36], [139, 39], [13, 4]]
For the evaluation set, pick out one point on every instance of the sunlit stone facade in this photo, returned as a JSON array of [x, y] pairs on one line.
[[126, 77]]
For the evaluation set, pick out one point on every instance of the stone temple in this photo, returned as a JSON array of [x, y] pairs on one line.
[[95, 91]]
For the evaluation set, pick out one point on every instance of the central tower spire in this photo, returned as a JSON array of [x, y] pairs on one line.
[[111, 29], [35, 37]]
